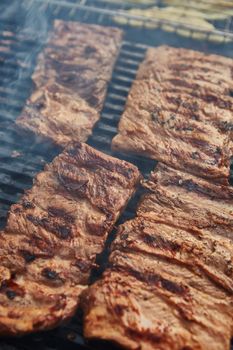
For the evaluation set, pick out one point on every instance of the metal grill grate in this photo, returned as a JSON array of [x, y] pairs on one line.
[[22, 157]]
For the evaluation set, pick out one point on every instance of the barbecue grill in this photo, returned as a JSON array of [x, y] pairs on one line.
[[23, 30]]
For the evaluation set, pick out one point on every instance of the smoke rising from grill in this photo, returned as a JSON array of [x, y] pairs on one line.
[[24, 38], [34, 31]]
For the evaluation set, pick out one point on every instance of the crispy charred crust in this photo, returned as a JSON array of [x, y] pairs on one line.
[[27, 205], [152, 279], [29, 257], [61, 213], [83, 265], [12, 289], [158, 241], [168, 177], [10, 294], [62, 231], [54, 233], [50, 274]]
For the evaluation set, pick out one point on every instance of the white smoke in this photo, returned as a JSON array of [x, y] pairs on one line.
[[31, 27]]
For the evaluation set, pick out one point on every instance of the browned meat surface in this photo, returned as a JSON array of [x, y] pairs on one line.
[[196, 69], [205, 97], [80, 57], [169, 284], [53, 234], [183, 200], [183, 103], [166, 288], [183, 121], [57, 114], [78, 60]]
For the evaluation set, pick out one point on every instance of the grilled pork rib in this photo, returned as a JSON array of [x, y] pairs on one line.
[[169, 283], [180, 113], [71, 79], [54, 233]]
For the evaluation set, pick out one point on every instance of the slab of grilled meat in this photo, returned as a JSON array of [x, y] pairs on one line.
[[178, 120], [71, 77], [169, 283], [54, 233]]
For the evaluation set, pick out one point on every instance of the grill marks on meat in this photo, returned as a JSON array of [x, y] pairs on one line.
[[193, 68], [179, 112], [71, 79], [161, 305], [194, 249], [169, 281], [86, 66], [59, 115], [174, 135], [53, 234], [184, 200]]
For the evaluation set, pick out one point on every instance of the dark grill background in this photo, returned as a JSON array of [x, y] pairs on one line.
[[22, 156]]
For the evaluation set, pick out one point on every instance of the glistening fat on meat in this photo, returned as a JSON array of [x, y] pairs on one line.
[[54, 233]]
